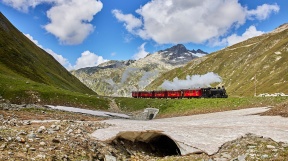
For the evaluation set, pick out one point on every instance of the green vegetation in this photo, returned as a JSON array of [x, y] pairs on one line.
[[259, 62], [181, 107], [21, 90], [30, 75]]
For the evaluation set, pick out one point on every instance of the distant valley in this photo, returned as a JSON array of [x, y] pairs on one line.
[[120, 78]]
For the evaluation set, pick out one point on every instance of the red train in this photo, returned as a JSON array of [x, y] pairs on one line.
[[184, 93]]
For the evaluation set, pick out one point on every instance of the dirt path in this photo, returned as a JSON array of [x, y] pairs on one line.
[[206, 132]]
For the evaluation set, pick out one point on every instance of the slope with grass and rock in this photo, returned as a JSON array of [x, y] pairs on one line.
[[28, 74], [252, 67], [120, 78]]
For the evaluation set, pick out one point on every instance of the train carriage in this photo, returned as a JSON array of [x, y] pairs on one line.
[[190, 93], [160, 94], [184, 93], [145, 94], [174, 94]]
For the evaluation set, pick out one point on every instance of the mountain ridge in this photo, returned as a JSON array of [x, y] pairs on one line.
[[28, 69], [119, 78], [251, 67]]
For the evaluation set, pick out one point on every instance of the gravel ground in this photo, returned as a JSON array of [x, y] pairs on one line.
[[31, 132]]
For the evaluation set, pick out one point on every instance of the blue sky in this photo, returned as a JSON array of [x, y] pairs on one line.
[[88, 32]]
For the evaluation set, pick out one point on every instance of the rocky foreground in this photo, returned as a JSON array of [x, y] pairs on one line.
[[33, 132]]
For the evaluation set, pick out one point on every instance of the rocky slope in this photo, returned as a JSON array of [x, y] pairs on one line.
[[257, 65], [32, 132], [119, 78]]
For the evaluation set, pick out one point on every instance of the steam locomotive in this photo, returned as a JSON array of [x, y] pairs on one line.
[[184, 93]]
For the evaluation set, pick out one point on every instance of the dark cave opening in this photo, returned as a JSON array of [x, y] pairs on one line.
[[164, 145], [157, 145]]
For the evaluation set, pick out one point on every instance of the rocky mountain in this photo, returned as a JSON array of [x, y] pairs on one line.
[[27, 70], [252, 67], [119, 78]]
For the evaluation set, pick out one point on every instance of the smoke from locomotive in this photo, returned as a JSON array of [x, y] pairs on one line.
[[191, 82]]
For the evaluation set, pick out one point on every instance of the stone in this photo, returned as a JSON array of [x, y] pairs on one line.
[[270, 147], [27, 122], [3, 146], [69, 131], [226, 155], [54, 140], [32, 149], [41, 129], [20, 140], [242, 157], [110, 158], [42, 143], [31, 136], [265, 156], [285, 145]]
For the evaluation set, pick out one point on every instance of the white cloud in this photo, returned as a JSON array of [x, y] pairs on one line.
[[23, 5], [182, 21], [130, 21], [63, 61], [249, 33], [88, 59], [69, 19], [262, 12], [141, 52], [33, 40]]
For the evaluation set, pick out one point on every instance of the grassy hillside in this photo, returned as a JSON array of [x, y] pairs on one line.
[[28, 74], [182, 107], [260, 62]]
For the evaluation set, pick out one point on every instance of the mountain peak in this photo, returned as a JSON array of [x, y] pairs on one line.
[[281, 28], [177, 49]]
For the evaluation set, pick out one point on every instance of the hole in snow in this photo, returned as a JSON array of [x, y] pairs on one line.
[[152, 143]]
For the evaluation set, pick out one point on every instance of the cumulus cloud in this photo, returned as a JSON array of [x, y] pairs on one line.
[[141, 52], [23, 5], [69, 19], [194, 81], [88, 59], [130, 21], [262, 12], [249, 33], [182, 21], [63, 61]]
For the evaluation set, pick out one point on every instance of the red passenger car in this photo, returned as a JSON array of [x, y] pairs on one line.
[[160, 94], [174, 94], [145, 94], [187, 93]]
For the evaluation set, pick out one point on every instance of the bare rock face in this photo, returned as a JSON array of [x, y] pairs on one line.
[[120, 78]]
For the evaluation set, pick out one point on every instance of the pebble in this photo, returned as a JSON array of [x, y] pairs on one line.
[[270, 147], [264, 156], [65, 140], [42, 143], [41, 129]]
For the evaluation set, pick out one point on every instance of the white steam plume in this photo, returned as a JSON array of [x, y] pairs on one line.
[[194, 81]]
